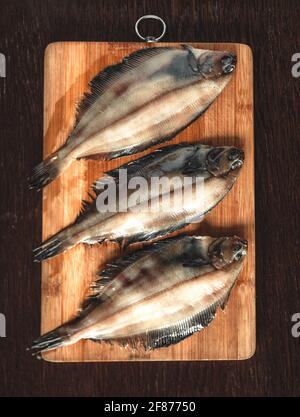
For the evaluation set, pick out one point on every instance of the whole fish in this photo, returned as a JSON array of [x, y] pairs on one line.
[[158, 296], [147, 98], [153, 216]]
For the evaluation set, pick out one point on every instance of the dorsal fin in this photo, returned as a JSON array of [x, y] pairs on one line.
[[111, 76], [176, 333], [87, 206], [183, 329]]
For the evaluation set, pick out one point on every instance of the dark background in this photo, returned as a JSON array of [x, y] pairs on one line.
[[272, 30]]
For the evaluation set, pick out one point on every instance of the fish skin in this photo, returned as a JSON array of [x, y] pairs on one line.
[[148, 98], [219, 167], [162, 295]]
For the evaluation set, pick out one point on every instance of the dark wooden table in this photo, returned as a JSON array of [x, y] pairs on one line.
[[271, 28]]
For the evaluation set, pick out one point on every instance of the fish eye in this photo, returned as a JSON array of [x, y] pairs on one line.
[[228, 59], [237, 247], [233, 154]]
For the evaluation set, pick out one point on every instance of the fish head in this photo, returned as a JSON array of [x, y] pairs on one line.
[[224, 159], [210, 64], [225, 251], [216, 64]]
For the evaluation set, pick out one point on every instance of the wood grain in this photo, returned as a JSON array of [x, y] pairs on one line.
[[65, 279]]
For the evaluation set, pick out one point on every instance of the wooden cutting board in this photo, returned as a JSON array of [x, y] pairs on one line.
[[65, 279]]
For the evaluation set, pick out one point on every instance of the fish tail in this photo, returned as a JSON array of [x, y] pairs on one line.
[[47, 171], [54, 246], [49, 341]]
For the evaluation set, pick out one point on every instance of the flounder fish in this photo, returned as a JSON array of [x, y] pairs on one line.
[[158, 211], [157, 296], [146, 99]]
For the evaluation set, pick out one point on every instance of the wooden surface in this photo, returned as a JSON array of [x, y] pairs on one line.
[[271, 28], [66, 278]]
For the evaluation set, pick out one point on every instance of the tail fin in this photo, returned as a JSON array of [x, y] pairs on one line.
[[46, 171], [52, 247], [49, 341]]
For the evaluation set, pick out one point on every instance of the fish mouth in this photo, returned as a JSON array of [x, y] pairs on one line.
[[241, 248], [237, 164], [237, 158], [228, 62]]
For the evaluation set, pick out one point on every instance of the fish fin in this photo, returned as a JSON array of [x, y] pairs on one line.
[[90, 302], [110, 77], [87, 206], [180, 331], [46, 172], [53, 247], [167, 336], [122, 152], [49, 341], [95, 157], [148, 236], [86, 203], [226, 298], [171, 335], [96, 339]]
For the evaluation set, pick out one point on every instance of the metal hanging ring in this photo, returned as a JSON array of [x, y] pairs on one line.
[[150, 38]]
